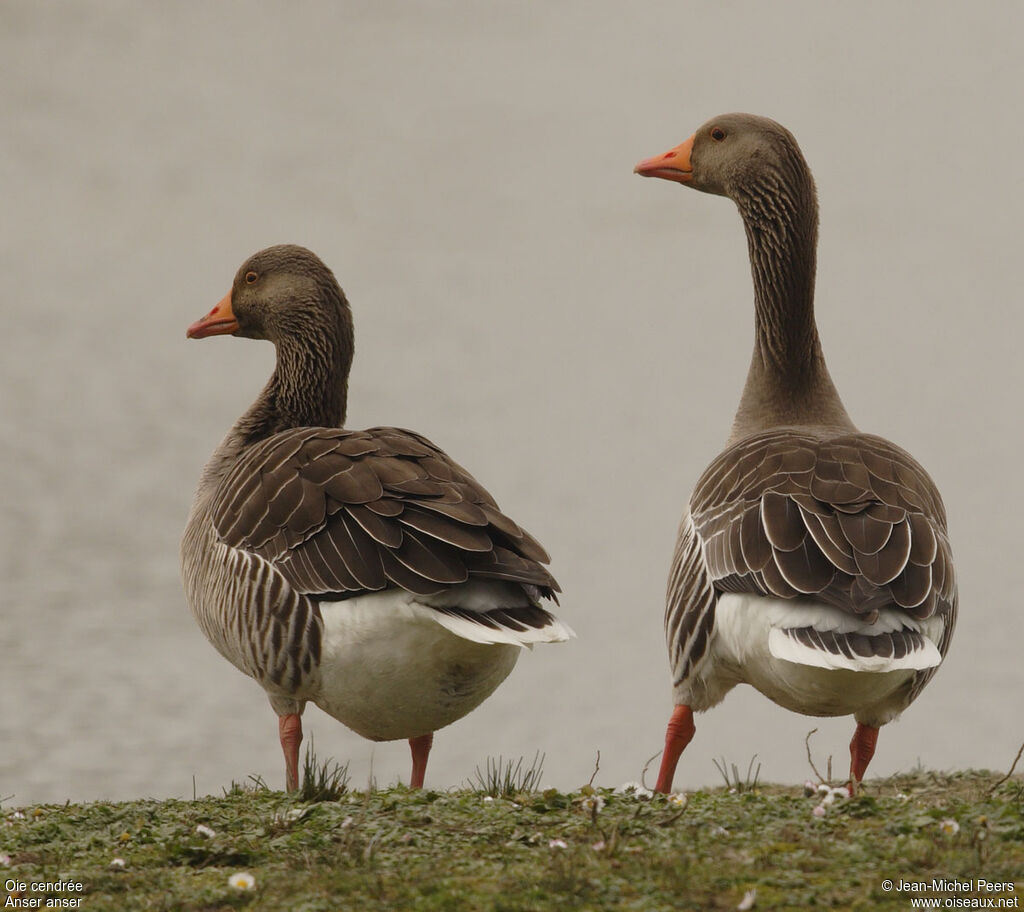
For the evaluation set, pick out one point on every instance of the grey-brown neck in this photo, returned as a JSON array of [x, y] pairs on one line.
[[788, 382], [308, 388]]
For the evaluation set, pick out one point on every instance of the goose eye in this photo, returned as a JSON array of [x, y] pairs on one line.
[[250, 277], [717, 134]]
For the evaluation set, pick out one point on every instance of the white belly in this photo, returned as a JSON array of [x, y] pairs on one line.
[[825, 691], [743, 644], [388, 670]]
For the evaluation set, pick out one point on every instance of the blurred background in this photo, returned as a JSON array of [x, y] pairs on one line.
[[575, 336]]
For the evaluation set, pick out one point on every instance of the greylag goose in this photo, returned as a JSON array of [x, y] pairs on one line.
[[364, 571], [813, 562]]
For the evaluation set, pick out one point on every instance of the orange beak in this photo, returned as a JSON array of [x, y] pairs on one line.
[[674, 165], [218, 322]]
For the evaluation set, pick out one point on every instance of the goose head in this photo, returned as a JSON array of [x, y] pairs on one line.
[[281, 294], [733, 155]]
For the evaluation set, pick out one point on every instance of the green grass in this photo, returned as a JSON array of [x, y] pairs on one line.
[[395, 849], [507, 778], [326, 781]]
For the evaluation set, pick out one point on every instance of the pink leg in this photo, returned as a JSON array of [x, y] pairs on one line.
[[290, 729], [420, 751], [862, 749], [678, 734]]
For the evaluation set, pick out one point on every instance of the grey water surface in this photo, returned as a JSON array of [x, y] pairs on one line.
[[575, 336]]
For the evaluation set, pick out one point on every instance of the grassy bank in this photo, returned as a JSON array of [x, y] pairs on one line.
[[589, 849]]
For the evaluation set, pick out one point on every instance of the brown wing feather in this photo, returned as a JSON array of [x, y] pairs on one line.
[[464, 537], [466, 514], [432, 559], [836, 554], [851, 518], [782, 522], [806, 568], [341, 511], [505, 564], [755, 549], [387, 533]]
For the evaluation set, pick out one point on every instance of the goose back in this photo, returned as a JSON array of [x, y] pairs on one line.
[[849, 520], [341, 512]]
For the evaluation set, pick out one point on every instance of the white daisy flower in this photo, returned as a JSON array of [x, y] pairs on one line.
[[819, 810], [678, 800], [117, 863], [748, 900], [243, 880], [203, 830], [557, 844], [949, 826], [635, 789], [488, 799], [598, 846], [592, 803]]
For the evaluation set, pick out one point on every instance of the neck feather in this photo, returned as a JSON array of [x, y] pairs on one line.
[[788, 382], [309, 388]]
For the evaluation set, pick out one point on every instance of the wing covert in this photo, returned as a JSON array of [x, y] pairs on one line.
[[339, 511], [853, 520]]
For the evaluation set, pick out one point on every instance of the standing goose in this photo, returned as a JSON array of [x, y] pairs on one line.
[[814, 562], [364, 571]]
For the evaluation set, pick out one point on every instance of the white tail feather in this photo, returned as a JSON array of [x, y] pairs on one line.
[[481, 596], [553, 632], [785, 647]]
